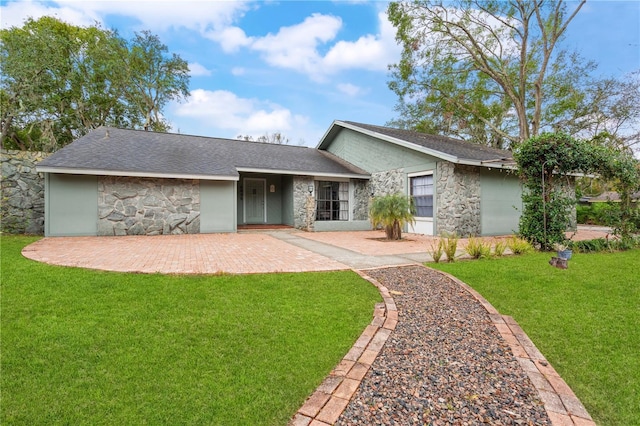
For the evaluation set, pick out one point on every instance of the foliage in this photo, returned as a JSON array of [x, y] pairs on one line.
[[546, 159], [518, 245], [605, 244], [583, 319], [490, 72], [609, 112], [437, 250], [592, 214], [392, 212], [499, 248], [544, 162], [477, 248], [58, 81], [90, 347], [623, 170], [156, 79], [275, 138], [450, 246]]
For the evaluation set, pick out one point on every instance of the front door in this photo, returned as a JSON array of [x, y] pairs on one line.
[[254, 201]]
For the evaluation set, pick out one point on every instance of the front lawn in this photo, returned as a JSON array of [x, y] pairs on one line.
[[585, 320], [90, 347]]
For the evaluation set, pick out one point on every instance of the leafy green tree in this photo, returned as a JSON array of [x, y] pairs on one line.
[[485, 70], [58, 81], [392, 212], [156, 79]]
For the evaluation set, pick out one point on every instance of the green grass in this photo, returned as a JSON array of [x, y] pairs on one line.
[[585, 320], [90, 347]]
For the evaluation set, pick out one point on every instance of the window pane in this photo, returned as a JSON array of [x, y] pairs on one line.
[[332, 200], [422, 193]]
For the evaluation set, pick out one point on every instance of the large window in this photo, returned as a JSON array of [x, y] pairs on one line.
[[332, 200], [422, 193]]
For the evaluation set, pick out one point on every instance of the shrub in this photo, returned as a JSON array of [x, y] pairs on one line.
[[499, 248], [450, 246], [589, 246], [437, 250], [477, 249], [518, 245], [392, 212]]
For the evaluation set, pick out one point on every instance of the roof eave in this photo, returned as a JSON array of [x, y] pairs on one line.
[[304, 173], [98, 172], [396, 141]]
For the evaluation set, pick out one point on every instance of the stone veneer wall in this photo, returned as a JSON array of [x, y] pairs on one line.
[[22, 208], [303, 206], [361, 196], [148, 206], [387, 182], [458, 199]]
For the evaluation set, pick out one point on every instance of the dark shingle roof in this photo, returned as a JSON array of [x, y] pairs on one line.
[[148, 153], [459, 149]]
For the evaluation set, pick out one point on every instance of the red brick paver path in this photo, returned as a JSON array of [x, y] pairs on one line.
[[180, 254]]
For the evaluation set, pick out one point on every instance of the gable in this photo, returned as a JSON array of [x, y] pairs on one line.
[[373, 154], [439, 147]]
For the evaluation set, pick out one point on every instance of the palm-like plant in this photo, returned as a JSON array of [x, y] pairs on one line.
[[392, 212]]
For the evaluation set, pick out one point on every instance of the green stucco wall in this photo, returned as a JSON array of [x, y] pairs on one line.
[[71, 205], [374, 155], [501, 195], [287, 200], [217, 206]]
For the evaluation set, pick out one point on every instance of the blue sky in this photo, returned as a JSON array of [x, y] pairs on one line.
[[295, 66]]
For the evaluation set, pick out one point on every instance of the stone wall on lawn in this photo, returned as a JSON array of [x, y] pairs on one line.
[[148, 206], [22, 208]]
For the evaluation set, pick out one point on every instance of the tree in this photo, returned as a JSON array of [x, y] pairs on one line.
[[156, 79], [609, 113], [392, 212], [275, 138], [485, 70], [58, 81]]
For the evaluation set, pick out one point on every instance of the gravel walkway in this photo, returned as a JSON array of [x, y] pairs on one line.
[[444, 364]]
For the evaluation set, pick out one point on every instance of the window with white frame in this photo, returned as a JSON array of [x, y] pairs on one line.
[[332, 200], [422, 193]]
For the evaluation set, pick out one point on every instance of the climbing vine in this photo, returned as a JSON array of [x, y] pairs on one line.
[[545, 163]]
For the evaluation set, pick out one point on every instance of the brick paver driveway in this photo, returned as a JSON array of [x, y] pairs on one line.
[[235, 253]]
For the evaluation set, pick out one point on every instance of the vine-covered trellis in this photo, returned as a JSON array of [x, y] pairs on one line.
[[546, 161]]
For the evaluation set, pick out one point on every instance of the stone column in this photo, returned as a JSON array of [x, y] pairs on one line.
[[311, 212]]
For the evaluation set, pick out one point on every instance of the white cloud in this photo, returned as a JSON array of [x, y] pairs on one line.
[[350, 89], [230, 38], [237, 71], [199, 15], [198, 70], [212, 111], [15, 13], [371, 52], [298, 47]]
